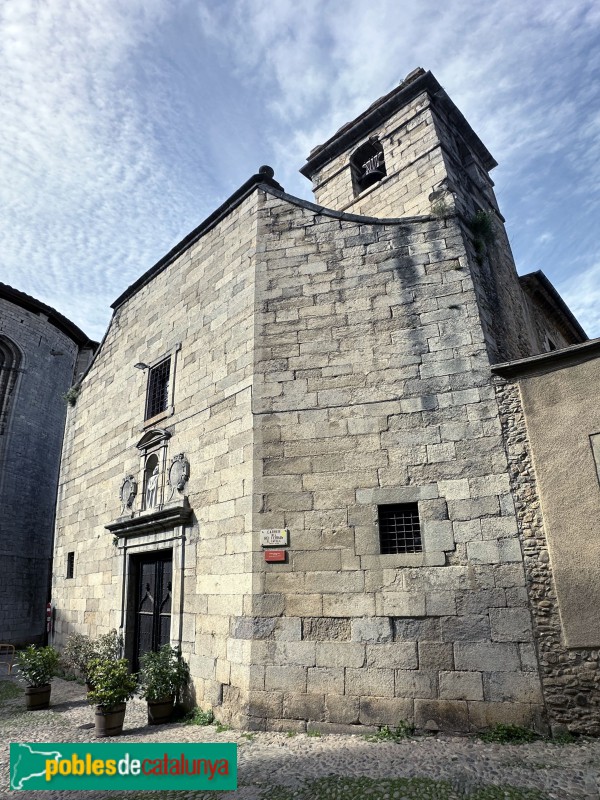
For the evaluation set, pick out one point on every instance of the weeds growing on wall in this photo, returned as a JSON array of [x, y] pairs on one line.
[[198, 717], [72, 395], [482, 228], [509, 734], [404, 730]]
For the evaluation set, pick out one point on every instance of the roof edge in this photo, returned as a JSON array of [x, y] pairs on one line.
[[57, 319], [545, 286], [257, 181], [343, 215], [263, 177], [415, 83], [549, 362]]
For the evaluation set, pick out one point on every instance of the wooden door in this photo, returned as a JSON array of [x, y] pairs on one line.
[[154, 573]]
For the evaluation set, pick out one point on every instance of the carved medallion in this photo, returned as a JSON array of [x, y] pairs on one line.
[[127, 493], [179, 472]]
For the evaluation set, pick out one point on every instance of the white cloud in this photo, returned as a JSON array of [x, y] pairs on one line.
[[125, 123], [79, 157]]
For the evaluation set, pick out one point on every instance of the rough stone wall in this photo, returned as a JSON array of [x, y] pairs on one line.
[[29, 463], [372, 386], [514, 327], [570, 677], [204, 300], [414, 166]]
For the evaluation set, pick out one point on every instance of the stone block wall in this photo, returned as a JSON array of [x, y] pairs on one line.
[[414, 165], [431, 167], [372, 386], [29, 463], [327, 364], [204, 301]]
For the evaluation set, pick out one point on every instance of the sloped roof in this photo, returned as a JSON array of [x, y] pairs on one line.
[[54, 317], [543, 293], [417, 82], [263, 176], [549, 362]]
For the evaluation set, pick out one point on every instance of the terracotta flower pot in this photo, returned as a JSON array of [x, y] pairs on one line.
[[109, 721], [160, 710], [38, 697]]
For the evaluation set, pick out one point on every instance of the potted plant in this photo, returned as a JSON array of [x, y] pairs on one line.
[[80, 650], [38, 665], [163, 675], [113, 686]]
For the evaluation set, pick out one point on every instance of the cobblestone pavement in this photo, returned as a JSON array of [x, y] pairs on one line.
[[559, 772]]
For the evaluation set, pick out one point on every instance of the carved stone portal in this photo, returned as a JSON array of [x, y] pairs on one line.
[[179, 472], [127, 493]]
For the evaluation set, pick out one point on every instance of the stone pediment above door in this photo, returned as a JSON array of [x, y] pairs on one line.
[[153, 438], [159, 485]]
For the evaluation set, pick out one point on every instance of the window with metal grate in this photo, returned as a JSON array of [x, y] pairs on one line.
[[157, 399], [70, 564], [399, 528]]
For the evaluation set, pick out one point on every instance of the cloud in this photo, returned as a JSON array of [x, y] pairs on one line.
[[321, 64], [124, 124], [83, 188]]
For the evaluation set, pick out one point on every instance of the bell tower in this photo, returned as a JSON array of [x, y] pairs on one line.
[[411, 153]]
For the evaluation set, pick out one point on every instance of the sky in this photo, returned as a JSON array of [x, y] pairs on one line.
[[124, 123]]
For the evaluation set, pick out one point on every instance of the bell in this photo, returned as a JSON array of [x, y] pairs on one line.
[[371, 176], [373, 171], [374, 174]]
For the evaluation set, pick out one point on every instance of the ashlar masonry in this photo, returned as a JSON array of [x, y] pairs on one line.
[[321, 371]]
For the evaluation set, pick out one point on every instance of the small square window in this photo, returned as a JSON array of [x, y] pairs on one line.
[[70, 564], [399, 528], [157, 398]]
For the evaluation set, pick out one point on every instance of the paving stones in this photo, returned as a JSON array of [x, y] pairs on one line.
[[569, 772]]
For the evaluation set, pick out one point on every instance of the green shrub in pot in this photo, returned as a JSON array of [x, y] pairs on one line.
[[38, 665], [113, 685], [163, 675]]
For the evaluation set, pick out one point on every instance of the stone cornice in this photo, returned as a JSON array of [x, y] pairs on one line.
[[143, 522]]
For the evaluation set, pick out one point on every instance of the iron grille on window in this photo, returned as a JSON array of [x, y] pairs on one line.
[[70, 564], [158, 389], [399, 528]]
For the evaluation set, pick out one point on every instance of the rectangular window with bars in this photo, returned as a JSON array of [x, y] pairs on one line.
[[157, 398], [399, 528], [70, 564]]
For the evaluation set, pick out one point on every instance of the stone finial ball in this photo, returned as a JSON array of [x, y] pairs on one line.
[[266, 170]]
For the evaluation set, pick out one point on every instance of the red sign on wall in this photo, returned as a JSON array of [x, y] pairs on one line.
[[275, 555]]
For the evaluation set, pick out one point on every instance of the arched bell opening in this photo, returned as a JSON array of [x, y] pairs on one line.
[[368, 165]]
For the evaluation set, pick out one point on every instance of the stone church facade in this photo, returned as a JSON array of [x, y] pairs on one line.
[[41, 355], [295, 457]]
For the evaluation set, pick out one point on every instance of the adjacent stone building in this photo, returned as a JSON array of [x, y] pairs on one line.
[[41, 355], [290, 458]]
